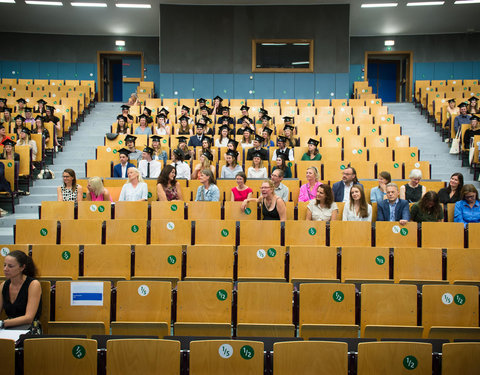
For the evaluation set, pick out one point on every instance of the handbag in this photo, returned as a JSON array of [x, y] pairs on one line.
[[455, 148], [46, 174], [471, 152]]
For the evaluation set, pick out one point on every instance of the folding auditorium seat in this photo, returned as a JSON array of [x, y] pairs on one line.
[[392, 234], [53, 210], [350, 233], [264, 309], [267, 231], [331, 139], [45, 356], [312, 263], [392, 130], [450, 311], [463, 266], [204, 210], [147, 356], [333, 170], [365, 264], [375, 140], [81, 231], [460, 358], [218, 357], [178, 232], [203, 308], [304, 357], [215, 232], [210, 262], [327, 310], [303, 232], [423, 165], [167, 210], [101, 168], [394, 168], [126, 231], [261, 262], [7, 356], [35, 231], [131, 210], [56, 262], [394, 358], [406, 154], [443, 235], [389, 311], [418, 266], [233, 211], [158, 262], [355, 155], [399, 141], [143, 308], [106, 262], [79, 319], [94, 210]]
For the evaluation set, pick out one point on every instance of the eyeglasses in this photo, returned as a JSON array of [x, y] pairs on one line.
[[67, 176]]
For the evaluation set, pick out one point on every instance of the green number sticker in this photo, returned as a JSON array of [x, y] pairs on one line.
[[342, 167], [459, 299], [79, 351], [248, 211], [247, 352], [388, 119], [338, 139], [404, 231], [360, 151], [348, 119], [312, 231], [380, 260], [222, 295], [43, 232], [374, 130], [149, 195], [413, 154], [410, 362], [172, 259], [330, 130], [84, 195], [66, 255], [395, 165], [4, 251], [224, 232], [164, 141], [115, 151], [134, 228], [271, 252], [338, 296], [9, 164], [101, 208], [173, 207], [120, 142]]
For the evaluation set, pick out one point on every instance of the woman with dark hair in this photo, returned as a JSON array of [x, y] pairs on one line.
[[282, 164], [312, 152], [69, 191], [428, 208], [357, 209], [20, 287], [467, 210], [50, 117], [323, 207], [451, 193], [168, 188], [231, 168], [241, 192], [122, 125], [207, 191], [40, 129], [473, 106], [379, 193]]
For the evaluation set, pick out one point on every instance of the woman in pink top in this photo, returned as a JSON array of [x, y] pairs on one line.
[[96, 190], [308, 191], [242, 191]]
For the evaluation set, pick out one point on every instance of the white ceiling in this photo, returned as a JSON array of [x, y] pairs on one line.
[[401, 20]]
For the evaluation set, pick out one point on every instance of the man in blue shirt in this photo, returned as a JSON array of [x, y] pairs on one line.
[[393, 208], [462, 118]]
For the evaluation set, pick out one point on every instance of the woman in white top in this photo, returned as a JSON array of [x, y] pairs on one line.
[[223, 140], [323, 208], [135, 189], [357, 209], [25, 139], [183, 169], [257, 170], [247, 138], [162, 128], [231, 169]]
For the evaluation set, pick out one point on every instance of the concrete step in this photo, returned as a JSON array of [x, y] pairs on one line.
[[26, 208], [38, 198], [10, 220]]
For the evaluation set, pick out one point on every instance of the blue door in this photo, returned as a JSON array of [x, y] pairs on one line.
[[132, 68], [382, 76], [117, 81]]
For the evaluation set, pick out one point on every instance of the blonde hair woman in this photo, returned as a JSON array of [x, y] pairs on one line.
[[273, 207], [96, 190], [135, 189], [206, 159]]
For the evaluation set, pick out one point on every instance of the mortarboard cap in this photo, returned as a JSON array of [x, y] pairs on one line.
[[143, 116], [232, 153], [21, 100], [124, 151], [19, 117], [223, 127], [6, 109], [263, 111], [201, 100], [225, 108], [462, 105], [287, 119], [244, 108], [182, 118], [182, 139], [200, 124], [28, 110], [474, 117], [130, 138], [161, 115], [224, 118], [281, 138], [257, 154], [259, 138], [122, 117], [3, 100], [185, 108], [288, 127], [41, 101], [9, 142], [233, 142], [452, 100], [218, 97], [207, 119], [149, 111], [26, 131], [155, 138], [51, 108], [267, 130], [208, 139], [266, 117], [179, 153], [208, 155], [39, 118], [312, 141], [165, 111], [472, 98], [125, 107], [148, 150]]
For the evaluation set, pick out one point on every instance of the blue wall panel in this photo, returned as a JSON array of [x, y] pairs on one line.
[[66, 70], [223, 85], [86, 72], [48, 70], [356, 74], [443, 70], [463, 70], [342, 83], [29, 69], [476, 69], [127, 89], [243, 86], [304, 85], [153, 74], [203, 85], [10, 69], [284, 85], [324, 86], [264, 84], [182, 85], [166, 85], [424, 71]]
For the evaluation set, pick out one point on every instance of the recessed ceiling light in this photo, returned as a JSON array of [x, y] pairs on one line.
[[380, 5], [425, 3], [38, 2], [7, 1], [93, 5], [465, 2], [141, 6]]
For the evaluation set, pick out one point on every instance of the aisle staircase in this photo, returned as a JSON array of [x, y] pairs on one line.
[[90, 134]]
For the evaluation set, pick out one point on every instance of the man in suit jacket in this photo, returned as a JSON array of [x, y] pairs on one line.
[[197, 139], [120, 170], [393, 208], [341, 189]]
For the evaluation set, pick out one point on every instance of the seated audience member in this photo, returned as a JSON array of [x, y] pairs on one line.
[[244, 110], [451, 193], [273, 207], [309, 190], [473, 106], [197, 139], [357, 209], [267, 134], [69, 191], [257, 148], [282, 149], [393, 208], [182, 167], [184, 128], [202, 105], [185, 111], [122, 125], [3, 133], [158, 153], [471, 132], [207, 191], [29, 120], [26, 140], [282, 165], [7, 121], [182, 145], [462, 118], [247, 138], [4, 185], [9, 150], [148, 167], [148, 113], [143, 127], [245, 123], [452, 111], [281, 190], [21, 103], [3, 104], [288, 130], [168, 188], [207, 144], [21, 297], [341, 189], [217, 105], [222, 141], [135, 189], [428, 208], [96, 190], [39, 128], [312, 152], [206, 159], [130, 143], [379, 193], [467, 209], [257, 170], [241, 192], [120, 169], [50, 117], [413, 191], [323, 207], [231, 169], [126, 113], [19, 125], [161, 128], [133, 100]]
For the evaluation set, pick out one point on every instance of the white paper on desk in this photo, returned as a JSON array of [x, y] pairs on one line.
[[12, 334], [87, 293]]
